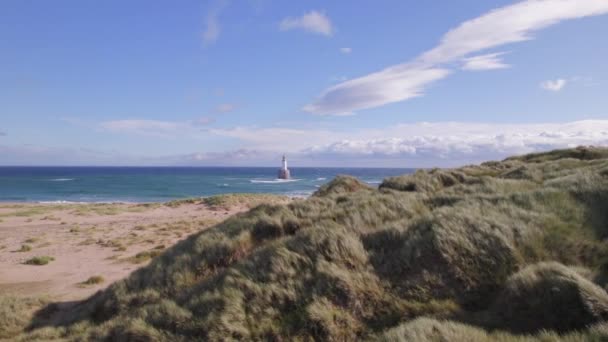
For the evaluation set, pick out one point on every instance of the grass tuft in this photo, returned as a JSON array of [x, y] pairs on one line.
[[93, 280], [39, 260], [24, 248]]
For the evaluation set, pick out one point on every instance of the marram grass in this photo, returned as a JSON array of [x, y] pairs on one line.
[[508, 251]]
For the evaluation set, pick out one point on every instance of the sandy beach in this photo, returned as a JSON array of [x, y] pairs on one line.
[[93, 245]]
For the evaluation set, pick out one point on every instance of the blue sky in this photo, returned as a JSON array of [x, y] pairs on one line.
[[383, 83]]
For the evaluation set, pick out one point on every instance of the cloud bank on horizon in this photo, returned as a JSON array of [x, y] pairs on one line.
[[423, 144], [509, 24]]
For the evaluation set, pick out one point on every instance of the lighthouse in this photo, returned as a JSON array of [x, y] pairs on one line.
[[284, 171]]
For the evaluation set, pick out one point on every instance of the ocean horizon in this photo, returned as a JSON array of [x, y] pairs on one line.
[[139, 184]]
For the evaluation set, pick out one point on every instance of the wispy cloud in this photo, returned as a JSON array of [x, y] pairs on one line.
[[509, 24], [204, 121], [313, 21], [144, 127], [225, 108], [489, 61], [156, 128], [228, 157], [346, 50], [212, 28], [554, 85], [276, 138], [393, 84], [29, 154]]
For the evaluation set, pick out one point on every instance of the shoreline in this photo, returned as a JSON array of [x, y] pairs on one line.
[[177, 199]]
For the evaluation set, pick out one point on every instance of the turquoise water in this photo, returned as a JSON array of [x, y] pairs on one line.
[[159, 184]]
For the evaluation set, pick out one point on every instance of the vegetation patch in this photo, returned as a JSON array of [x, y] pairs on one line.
[[144, 256], [15, 314], [511, 250], [39, 260], [93, 280], [24, 248], [227, 201]]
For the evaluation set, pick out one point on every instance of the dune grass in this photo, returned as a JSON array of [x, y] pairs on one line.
[[24, 248], [39, 260], [145, 256], [511, 251], [15, 314], [93, 280]]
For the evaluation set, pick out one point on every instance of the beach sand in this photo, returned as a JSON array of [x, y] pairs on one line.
[[90, 240]]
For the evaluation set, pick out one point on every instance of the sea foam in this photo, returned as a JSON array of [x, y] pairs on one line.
[[274, 181]]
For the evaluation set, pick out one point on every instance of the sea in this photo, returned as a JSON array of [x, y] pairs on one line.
[[161, 184]]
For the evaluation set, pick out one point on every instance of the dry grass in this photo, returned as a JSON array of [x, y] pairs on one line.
[[15, 314], [145, 256]]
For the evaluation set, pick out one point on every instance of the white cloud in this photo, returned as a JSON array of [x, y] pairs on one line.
[[555, 85], [212, 26], [420, 144], [509, 24], [393, 84], [489, 61], [439, 142], [313, 21], [346, 50]]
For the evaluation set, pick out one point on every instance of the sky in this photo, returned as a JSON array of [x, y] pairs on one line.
[[386, 83]]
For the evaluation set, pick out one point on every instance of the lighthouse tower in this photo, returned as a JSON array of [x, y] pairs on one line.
[[284, 171]]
